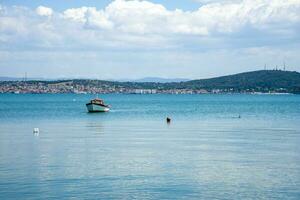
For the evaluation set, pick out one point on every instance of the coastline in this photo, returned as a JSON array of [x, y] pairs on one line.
[[256, 82]]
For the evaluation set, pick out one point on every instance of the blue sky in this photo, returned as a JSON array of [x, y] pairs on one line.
[[134, 39], [62, 5]]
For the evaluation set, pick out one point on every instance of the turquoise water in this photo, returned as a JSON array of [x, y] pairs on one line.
[[131, 153]]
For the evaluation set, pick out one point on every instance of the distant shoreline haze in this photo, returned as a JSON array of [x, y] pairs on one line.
[[145, 79], [263, 81]]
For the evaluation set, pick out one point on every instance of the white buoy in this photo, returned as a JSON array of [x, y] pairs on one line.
[[36, 131]]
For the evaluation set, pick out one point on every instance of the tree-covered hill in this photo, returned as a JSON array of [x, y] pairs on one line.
[[256, 80]]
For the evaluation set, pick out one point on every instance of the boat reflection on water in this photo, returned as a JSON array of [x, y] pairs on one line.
[[94, 128]]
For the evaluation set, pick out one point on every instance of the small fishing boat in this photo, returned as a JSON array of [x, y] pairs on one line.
[[97, 105]]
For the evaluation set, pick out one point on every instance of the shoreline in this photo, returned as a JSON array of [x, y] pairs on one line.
[[158, 93]]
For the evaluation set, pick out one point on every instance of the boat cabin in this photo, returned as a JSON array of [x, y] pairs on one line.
[[97, 101]]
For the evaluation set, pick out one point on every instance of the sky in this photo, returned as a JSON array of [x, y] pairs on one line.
[[131, 39]]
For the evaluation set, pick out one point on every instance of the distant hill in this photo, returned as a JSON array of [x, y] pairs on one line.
[[265, 81], [4, 78], [256, 80], [152, 80], [160, 80], [142, 80]]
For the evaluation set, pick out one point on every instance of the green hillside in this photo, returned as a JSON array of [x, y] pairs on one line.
[[263, 80], [257, 81]]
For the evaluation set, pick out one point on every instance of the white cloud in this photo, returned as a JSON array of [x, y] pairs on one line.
[[44, 11], [217, 1], [146, 38], [88, 16], [145, 24], [259, 14], [143, 17]]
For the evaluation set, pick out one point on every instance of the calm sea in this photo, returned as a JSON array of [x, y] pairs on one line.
[[207, 152]]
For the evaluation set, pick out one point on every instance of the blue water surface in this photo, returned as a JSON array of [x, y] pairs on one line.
[[207, 152]]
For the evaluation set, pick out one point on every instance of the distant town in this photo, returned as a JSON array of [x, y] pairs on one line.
[[37, 87], [263, 81]]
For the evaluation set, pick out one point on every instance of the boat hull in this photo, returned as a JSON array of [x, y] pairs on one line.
[[96, 108]]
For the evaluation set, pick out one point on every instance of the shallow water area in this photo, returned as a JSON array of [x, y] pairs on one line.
[[207, 151]]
